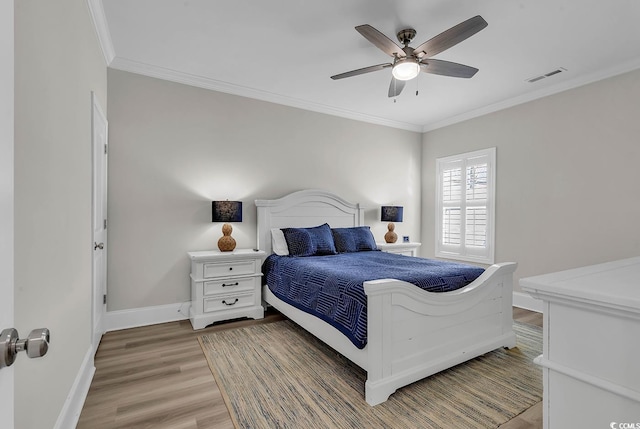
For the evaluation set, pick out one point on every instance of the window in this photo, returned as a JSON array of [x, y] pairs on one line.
[[465, 206]]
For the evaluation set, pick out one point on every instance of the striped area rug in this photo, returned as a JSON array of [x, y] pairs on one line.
[[276, 375]]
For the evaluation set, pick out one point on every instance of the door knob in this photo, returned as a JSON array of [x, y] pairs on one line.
[[97, 246], [35, 345]]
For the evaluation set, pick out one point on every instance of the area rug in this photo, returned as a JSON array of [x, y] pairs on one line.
[[276, 375]]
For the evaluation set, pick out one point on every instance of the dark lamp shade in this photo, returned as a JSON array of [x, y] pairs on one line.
[[391, 214], [226, 211]]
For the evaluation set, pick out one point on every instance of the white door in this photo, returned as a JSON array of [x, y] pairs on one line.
[[6, 201], [99, 129]]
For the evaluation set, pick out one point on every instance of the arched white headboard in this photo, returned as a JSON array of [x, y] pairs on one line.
[[306, 208]]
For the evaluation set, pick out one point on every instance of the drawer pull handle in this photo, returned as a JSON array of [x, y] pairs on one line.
[[230, 284], [230, 268], [230, 303]]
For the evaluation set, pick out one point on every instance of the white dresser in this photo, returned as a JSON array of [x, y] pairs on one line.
[[225, 285], [591, 354], [402, 248]]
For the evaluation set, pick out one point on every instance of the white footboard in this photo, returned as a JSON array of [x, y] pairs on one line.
[[413, 333]]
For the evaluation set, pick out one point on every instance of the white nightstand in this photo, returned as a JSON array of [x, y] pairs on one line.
[[408, 249], [225, 285]]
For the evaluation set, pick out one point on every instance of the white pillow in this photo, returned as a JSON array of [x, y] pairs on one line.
[[278, 242]]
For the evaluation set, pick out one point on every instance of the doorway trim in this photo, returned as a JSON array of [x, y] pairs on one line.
[[99, 144]]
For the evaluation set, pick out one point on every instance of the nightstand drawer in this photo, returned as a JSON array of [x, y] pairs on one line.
[[231, 268], [401, 252], [229, 285], [228, 302]]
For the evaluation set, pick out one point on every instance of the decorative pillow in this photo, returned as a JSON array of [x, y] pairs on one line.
[[278, 243], [310, 241], [356, 239]]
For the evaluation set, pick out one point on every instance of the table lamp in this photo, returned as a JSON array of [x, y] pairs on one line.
[[226, 211], [391, 214]]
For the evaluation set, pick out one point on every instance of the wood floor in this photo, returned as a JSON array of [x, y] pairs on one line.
[[157, 377]]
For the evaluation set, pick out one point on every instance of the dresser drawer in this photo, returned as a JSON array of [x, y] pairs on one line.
[[228, 302], [231, 268], [229, 286]]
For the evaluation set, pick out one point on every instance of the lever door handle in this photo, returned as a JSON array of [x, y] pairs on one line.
[[35, 345]]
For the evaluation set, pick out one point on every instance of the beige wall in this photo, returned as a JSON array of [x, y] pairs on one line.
[[566, 168], [6, 197], [567, 176], [175, 148], [58, 62]]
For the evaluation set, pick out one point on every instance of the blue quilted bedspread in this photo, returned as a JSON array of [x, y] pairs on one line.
[[331, 287]]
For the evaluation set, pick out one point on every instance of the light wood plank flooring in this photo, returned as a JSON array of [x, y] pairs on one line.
[[531, 418], [157, 377]]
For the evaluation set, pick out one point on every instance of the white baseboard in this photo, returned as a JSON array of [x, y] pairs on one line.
[[113, 320], [70, 413], [135, 317], [526, 301]]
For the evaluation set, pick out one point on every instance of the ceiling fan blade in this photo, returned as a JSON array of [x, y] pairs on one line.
[[361, 71], [380, 40], [451, 37], [447, 68], [396, 87]]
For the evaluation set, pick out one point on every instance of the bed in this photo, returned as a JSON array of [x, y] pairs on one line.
[[411, 333]]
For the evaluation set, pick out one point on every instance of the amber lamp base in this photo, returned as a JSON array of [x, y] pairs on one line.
[[226, 243], [390, 236]]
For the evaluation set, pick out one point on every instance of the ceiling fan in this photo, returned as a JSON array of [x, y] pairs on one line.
[[408, 61]]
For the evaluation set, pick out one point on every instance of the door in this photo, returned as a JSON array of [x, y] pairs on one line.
[[6, 201], [99, 128]]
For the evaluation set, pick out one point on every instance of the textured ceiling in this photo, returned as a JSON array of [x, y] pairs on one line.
[[284, 51]]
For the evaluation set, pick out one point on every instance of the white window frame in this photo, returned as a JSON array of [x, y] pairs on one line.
[[462, 252]]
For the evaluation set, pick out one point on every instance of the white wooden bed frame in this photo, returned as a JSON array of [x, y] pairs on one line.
[[412, 333]]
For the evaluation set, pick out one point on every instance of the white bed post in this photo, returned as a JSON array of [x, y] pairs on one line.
[[263, 239], [507, 308], [379, 315]]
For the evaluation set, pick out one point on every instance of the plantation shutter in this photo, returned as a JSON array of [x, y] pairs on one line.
[[452, 204], [465, 206]]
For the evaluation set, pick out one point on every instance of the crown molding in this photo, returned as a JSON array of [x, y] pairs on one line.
[[560, 87], [104, 37], [102, 29], [220, 86]]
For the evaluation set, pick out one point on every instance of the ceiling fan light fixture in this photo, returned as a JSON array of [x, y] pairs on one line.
[[405, 69]]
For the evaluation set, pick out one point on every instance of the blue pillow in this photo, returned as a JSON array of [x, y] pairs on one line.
[[314, 241], [356, 239]]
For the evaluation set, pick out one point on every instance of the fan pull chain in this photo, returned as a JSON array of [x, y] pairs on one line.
[[395, 91]]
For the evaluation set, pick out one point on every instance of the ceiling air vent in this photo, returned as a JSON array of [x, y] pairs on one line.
[[546, 75]]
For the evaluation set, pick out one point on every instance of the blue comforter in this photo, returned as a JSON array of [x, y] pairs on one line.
[[331, 287]]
